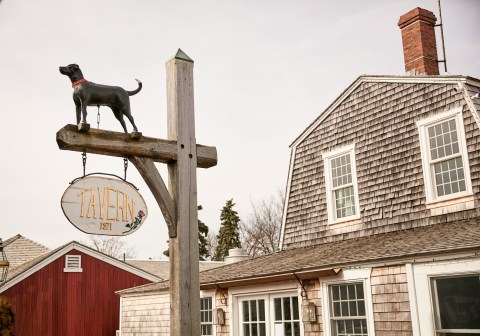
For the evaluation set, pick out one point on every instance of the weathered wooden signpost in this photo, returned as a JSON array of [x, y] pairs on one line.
[[178, 202]]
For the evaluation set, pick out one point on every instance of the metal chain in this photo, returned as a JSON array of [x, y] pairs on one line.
[[98, 117], [84, 160], [125, 167]]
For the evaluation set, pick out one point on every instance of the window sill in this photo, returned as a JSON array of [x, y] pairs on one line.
[[457, 204], [345, 226], [347, 221], [73, 270]]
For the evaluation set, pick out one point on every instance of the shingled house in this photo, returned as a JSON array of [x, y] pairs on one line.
[[381, 223]]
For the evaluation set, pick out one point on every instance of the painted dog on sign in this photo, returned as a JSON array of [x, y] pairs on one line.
[[86, 93]]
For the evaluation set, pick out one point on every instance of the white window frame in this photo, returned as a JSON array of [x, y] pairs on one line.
[[348, 276], [327, 158], [420, 284], [427, 164], [274, 296], [237, 295], [69, 257], [435, 303], [205, 295]]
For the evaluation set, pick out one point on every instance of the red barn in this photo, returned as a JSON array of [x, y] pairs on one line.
[[70, 291]]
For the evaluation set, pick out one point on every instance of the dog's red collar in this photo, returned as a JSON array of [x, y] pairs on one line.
[[78, 82]]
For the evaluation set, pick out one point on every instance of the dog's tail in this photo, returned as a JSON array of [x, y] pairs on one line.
[[134, 92]]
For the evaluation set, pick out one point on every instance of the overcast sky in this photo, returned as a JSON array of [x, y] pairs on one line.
[[264, 70]]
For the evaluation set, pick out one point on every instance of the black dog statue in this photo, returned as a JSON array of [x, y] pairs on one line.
[[86, 93]]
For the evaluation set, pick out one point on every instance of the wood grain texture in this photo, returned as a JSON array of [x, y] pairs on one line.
[[119, 144], [183, 249], [153, 179]]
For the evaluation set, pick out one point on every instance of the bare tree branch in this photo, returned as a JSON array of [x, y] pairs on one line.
[[260, 233], [113, 246]]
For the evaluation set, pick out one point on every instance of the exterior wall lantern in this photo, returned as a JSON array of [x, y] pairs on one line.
[[219, 316], [4, 264], [312, 312]]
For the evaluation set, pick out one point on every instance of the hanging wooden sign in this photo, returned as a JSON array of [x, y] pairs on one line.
[[104, 206]]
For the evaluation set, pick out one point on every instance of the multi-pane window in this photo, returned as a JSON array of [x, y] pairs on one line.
[[347, 310], [446, 158], [269, 314], [253, 318], [206, 316], [287, 315], [457, 305], [340, 179], [445, 163]]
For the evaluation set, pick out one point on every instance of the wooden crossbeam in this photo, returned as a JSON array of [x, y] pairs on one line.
[[119, 144]]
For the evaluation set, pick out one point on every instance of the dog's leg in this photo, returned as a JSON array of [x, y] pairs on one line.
[[130, 117], [78, 111], [119, 115], [84, 111]]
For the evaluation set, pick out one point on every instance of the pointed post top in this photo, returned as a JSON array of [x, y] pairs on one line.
[[182, 56]]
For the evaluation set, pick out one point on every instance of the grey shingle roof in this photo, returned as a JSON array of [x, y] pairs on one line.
[[20, 250], [161, 268], [403, 245]]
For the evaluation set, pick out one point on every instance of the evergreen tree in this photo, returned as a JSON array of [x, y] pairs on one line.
[[228, 236], [202, 240]]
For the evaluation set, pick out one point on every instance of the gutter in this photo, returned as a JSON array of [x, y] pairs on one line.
[[271, 278]]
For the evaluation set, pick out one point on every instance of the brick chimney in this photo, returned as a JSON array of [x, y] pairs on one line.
[[419, 45]]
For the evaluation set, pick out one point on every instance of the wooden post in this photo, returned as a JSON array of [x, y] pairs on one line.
[[184, 277]]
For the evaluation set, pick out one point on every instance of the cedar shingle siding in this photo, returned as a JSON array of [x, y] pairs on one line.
[[379, 117]]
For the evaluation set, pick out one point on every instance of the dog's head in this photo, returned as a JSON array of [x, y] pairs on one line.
[[72, 71]]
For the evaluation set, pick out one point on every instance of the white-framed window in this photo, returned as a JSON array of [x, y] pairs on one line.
[[73, 263], [341, 185], [446, 170], [286, 317], [347, 309], [269, 314], [447, 297], [456, 302], [253, 317], [347, 305], [206, 316]]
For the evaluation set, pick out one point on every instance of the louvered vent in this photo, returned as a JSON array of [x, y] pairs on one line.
[[73, 263]]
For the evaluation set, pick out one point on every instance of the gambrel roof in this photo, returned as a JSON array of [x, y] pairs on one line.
[[468, 86], [377, 115]]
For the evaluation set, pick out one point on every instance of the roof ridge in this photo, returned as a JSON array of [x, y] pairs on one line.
[[11, 240]]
